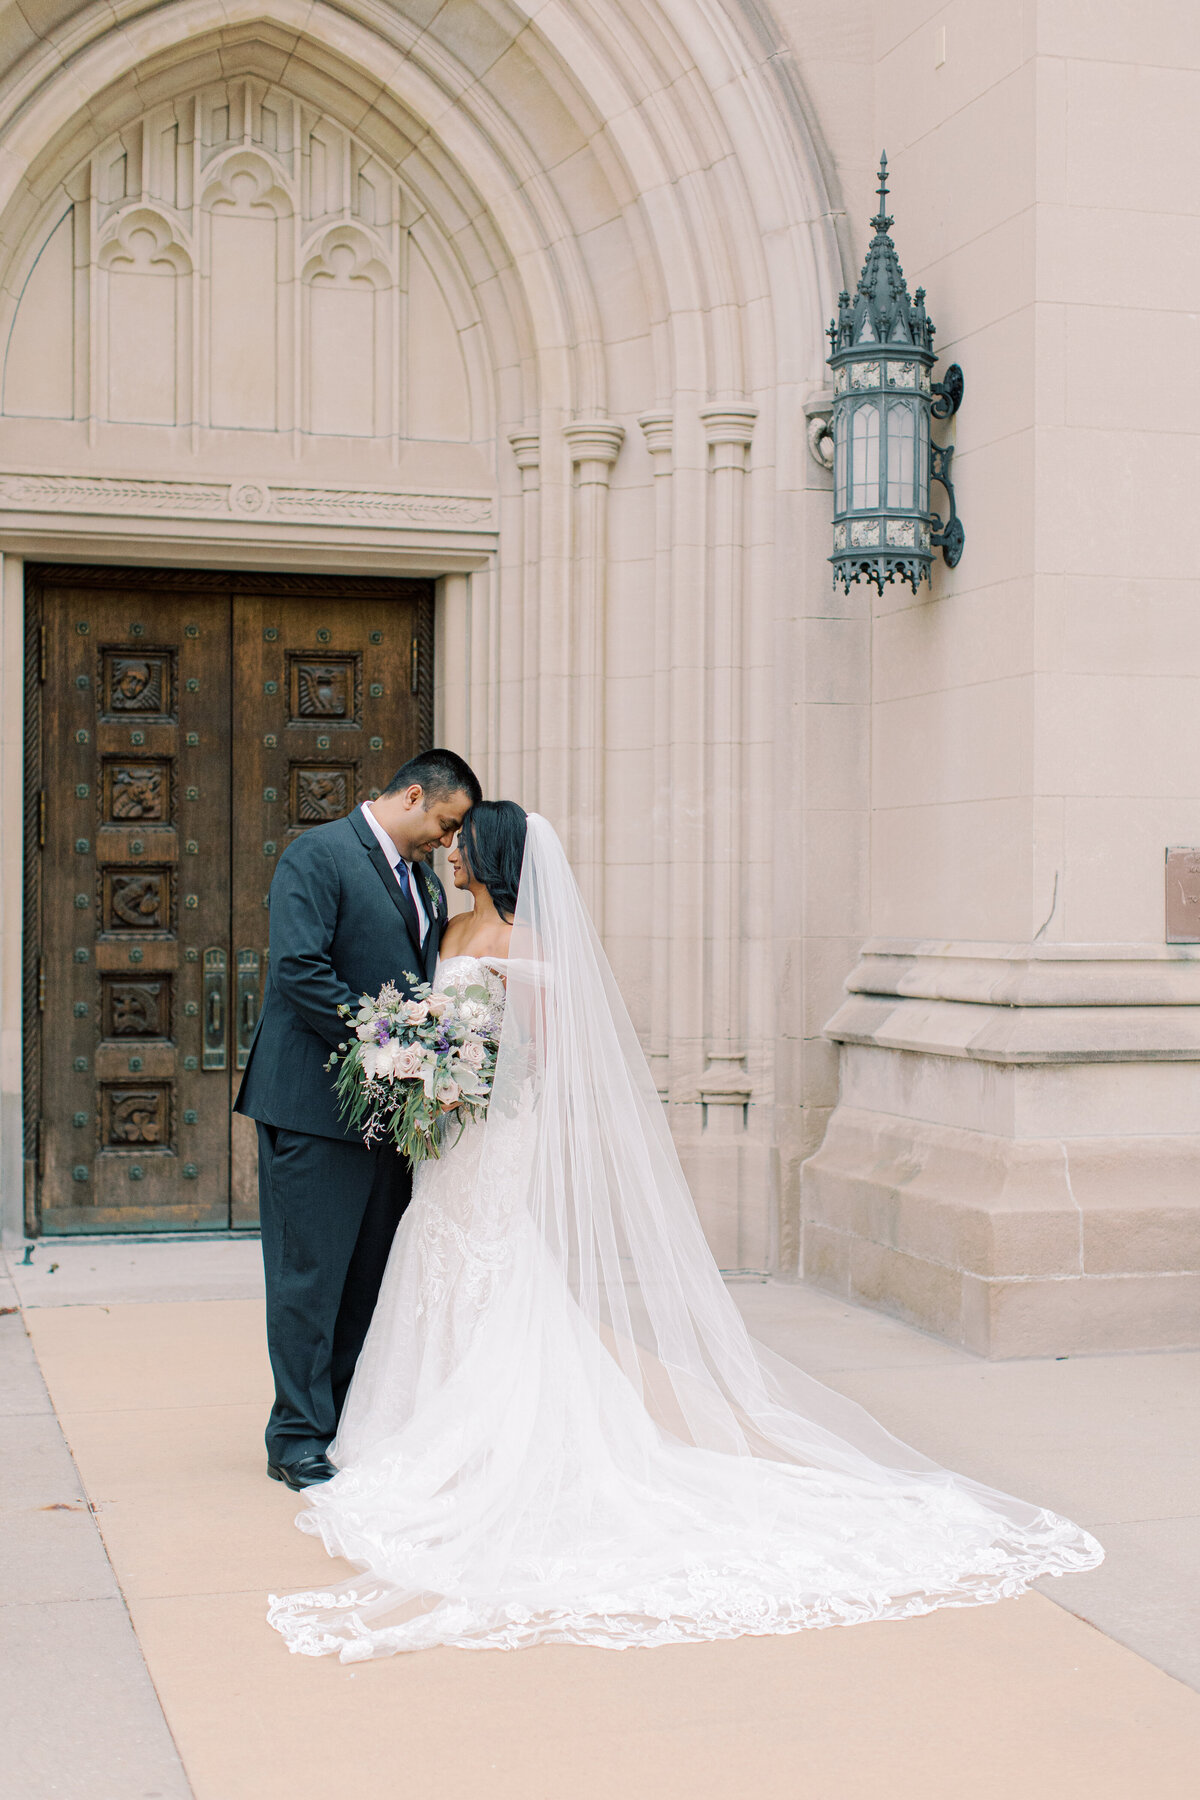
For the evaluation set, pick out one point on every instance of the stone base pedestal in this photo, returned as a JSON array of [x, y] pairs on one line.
[[1014, 1162]]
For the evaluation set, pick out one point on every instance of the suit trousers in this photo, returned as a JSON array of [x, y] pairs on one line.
[[329, 1212]]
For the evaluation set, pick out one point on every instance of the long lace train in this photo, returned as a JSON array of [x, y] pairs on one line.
[[559, 1429]]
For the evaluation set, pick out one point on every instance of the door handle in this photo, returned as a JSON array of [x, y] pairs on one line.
[[248, 993], [216, 979]]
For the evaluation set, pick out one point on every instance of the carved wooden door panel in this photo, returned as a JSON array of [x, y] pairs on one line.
[[183, 729], [134, 822], [327, 704]]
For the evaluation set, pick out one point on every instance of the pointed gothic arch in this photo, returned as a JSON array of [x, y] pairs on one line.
[[615, 215]]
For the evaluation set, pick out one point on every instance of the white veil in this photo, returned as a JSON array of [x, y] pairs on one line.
[[560, 1428]]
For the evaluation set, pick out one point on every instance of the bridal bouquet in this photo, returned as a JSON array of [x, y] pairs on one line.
[[417, 1065]]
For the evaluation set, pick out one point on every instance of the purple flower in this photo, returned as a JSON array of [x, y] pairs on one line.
[[381, 1032]]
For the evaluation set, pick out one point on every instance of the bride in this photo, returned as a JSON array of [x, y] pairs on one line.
[[559, 1430]]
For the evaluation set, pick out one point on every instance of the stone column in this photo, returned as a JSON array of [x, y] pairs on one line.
[[594, 445], [725, 1083], [527, 452], [658, 428], [14, 672], [452, 663]]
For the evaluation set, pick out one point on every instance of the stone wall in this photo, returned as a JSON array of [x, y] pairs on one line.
[[1013, 1162]]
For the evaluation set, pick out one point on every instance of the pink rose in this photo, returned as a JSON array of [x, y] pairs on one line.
[[408, 1063], [415, 1012], [439, 1005], [471, 1053]]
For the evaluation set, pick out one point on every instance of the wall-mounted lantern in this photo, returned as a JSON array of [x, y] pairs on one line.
[[884, 401]]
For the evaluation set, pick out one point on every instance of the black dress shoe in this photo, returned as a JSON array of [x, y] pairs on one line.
[[306, 1471]]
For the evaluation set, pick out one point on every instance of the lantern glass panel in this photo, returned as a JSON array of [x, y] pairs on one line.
[[901, 459], [922, 502], [864, 464], [841, 457]]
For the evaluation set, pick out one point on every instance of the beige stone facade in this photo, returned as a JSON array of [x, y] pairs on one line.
[[532, 299]]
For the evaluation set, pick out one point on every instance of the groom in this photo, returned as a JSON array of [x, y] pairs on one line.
[[353, 904]]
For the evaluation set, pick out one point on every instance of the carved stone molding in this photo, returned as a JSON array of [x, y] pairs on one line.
[[527, 453], [729, 425], [387, 509], [819, 413], [595, 446], [526, 448], [241, 499], [658, 429], [729, 429]]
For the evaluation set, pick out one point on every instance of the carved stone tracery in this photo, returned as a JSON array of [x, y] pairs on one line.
[[284, 215]]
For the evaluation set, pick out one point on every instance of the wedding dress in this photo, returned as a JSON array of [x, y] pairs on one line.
[[560, 1430]]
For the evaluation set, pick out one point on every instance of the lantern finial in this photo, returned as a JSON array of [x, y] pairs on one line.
[[881, 221]]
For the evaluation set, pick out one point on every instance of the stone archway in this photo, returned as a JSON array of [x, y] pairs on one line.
[[629, 236]]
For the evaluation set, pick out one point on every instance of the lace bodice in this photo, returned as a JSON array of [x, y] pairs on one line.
[[475, 971]]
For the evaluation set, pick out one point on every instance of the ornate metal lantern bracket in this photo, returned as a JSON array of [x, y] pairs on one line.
[[948, 394], [949, 537]]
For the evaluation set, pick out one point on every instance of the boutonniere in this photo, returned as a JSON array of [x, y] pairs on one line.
[[432, 889]]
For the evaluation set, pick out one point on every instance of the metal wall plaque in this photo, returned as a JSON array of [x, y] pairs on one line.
[[1183, 896]]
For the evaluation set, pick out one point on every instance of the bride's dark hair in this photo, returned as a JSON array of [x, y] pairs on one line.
[[492, 846]]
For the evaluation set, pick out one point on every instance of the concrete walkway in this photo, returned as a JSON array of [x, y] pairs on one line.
[[135, 1647]]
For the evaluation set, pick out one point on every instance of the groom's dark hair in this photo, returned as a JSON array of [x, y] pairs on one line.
[[437, 773]]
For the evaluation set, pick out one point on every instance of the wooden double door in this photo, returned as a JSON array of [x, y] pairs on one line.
[[183, 729]]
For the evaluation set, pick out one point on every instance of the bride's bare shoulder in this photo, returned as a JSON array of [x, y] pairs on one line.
[[457, 931], [499, 939], [466, 935]]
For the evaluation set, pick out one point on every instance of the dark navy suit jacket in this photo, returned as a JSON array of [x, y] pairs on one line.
[[341, 925]]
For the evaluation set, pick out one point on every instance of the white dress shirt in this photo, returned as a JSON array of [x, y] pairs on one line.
[[401, 870]]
